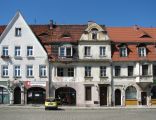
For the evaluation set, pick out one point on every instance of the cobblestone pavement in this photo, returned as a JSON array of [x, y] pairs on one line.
[[75, 114]]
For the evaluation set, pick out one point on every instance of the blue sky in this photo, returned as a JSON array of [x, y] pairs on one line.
[[108, 12]]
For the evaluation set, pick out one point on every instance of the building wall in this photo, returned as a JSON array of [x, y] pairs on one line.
[[26, 39]]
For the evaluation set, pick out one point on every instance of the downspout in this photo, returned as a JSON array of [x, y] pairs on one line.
[[50, 79], [112, 85]]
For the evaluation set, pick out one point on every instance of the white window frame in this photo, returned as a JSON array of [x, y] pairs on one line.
[[30, 51], [5, 51], [30, 71], [43, 70], [64, 54], [18, 32], [87, 51], [123, 51], [88, 71], [17, 71], [17, 51], [94, 31], [142, 51], [5, 71], [103, 71], [102, 51]]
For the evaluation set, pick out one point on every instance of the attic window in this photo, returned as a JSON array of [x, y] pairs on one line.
[[66, 35], [18, 32], [94, 33], [43, 34], [145, 36]]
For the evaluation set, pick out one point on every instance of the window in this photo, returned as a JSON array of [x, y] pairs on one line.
[[5, 51], [17, 71], [87, 71], [17, 51], [94, 32], [131, 92], [30, 71], [144, 69], [60, 72], [88, 95], [18, 32], [70, 72], [5, 70], [65, 51], [102, 71], [30, 51], [142, 51], [123, 51], [117, 70], [87, 51], [130, 70], [43, 71], [62, 51], [102, 51], [154, 70]]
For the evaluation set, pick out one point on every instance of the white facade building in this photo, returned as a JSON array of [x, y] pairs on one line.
[[23, 61]]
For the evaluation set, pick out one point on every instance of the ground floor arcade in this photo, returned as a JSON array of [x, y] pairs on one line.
[[78, 94]]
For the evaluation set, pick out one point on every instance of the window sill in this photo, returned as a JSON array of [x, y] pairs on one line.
[[30, 57], [102, 56], [5, 76], [17, 77], [87, 56], [43, 76], [5, 57], [146, 76], [88, 77], [30, 76], [103, 77], [18, 57]]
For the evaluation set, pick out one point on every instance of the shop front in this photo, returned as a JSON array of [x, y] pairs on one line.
[[67, 95], [153, 95], [131, 96], [4, 96], [35, 92]]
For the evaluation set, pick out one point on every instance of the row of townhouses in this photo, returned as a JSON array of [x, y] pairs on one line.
[[83, 65]]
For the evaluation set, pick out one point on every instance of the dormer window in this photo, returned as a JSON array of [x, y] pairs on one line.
[[123, 51], [94, 32], [142, 51], [65, 51], [18, 32]]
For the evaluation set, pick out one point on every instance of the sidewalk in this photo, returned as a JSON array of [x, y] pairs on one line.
[[36, 106]]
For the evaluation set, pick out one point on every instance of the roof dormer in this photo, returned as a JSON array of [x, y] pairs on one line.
[[94, 32]]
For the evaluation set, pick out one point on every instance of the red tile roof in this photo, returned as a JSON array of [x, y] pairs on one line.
[[55, 35], [117, 35], [131, 34]]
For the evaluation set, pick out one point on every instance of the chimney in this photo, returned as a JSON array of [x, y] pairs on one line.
[[90, 22], [136, 27], [51, 24]]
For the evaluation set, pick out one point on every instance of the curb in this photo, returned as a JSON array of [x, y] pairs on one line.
[[76, 108]]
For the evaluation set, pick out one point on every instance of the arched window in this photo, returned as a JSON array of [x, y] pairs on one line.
[[131, 92], [94, 32]]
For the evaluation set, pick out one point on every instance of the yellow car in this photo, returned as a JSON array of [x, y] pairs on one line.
[[51, 103]]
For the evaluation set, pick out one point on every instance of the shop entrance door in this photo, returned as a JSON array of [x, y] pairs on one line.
[[103, 95], [17, 95], [144, 98]]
